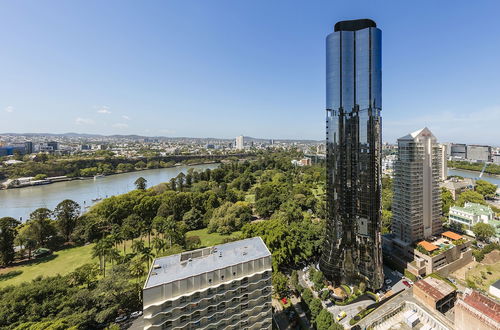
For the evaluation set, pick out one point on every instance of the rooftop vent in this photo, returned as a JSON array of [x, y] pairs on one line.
[[156, 266], [154, 273], [190, 259], [220, 254]]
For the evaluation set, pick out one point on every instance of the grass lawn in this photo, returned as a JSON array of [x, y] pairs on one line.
[[484, 275], [60, 262], [65, 261], [210, 239]]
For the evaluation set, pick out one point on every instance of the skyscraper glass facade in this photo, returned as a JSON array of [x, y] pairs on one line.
[[352, 250]]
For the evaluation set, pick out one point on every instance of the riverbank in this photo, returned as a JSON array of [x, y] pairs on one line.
[[6, 184], [19, 203], [473, 171]]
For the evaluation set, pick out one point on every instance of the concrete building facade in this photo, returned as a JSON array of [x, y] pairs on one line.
[[222, 287], [479, 153], [417, 196]]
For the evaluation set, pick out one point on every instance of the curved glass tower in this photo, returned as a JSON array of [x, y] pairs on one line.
[[352, 250]]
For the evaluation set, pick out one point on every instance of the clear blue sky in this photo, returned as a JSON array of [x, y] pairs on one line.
[[224, 68]]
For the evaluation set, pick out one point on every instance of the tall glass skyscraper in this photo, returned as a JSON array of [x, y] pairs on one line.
[[352, 250]]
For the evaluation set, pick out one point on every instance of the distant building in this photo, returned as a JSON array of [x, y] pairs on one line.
[[476, 311], [479, 153], [496, 159], [227, 286], [54, 145], [28, 146], [458, 150], [470, 214], [417, 197], [240, 143], [494, 289], [435, 294], [12, 150]]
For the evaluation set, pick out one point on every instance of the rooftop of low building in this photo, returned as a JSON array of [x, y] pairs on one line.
[[474, 208], [434, 287], [483, 305], [187, 264]]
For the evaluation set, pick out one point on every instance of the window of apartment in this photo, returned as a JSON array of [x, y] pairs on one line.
[[196, 295], [183, 299], [244, 297], [167, 325], [184, 318], [244, 281]]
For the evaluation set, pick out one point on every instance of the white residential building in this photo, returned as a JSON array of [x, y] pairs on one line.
[[227, 286], [417, 196], [240, 142], [471, 214]]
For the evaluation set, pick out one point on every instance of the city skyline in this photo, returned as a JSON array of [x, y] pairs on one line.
[[154, 82]]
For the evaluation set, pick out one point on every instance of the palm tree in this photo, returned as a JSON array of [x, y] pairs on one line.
[[159, 244], [147, 255], [102, 250], [137, 246]]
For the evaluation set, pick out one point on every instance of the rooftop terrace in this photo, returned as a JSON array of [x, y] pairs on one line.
[[188, 264]]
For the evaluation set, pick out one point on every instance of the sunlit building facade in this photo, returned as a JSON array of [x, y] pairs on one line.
[[352, 250]]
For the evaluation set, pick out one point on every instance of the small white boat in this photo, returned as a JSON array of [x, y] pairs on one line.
[[98, 176]]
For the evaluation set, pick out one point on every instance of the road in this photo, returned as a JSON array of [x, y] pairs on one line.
[[351, 310]]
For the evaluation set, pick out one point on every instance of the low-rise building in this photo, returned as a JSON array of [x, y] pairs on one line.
[[456, 185], [476, 311], [470, 214], [227, 286], [435, 293], [442, 255]]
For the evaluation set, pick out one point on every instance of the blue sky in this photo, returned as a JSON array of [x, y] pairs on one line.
[[224, 68]]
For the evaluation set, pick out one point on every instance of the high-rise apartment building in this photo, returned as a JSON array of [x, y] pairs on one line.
[[352, 250], [240, 143], [416, 207], [227, 286]]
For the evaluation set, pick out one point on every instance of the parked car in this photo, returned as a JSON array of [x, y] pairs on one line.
[[407, 283], [410, 281], [121, 318], [135, 314], [341, 316], [388, 281]]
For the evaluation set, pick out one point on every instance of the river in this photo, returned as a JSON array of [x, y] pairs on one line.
[[19, 203], [495, 179]]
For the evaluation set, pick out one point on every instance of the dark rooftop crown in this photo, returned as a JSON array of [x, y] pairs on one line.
[[354, 25]]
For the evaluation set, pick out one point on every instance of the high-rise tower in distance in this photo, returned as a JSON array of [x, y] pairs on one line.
[[417, 196], [352, 250]]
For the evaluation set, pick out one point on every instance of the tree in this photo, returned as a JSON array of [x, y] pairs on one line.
[[317, 278], [7, 236], [483, 231], [230, 217], [280, 283], [488, 190], [307, 296], [471, 197], [447, 200], [315, 307], [294, 280], [66, 213], [141, 183], [41, 227], [102, 250], [324, 320]]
